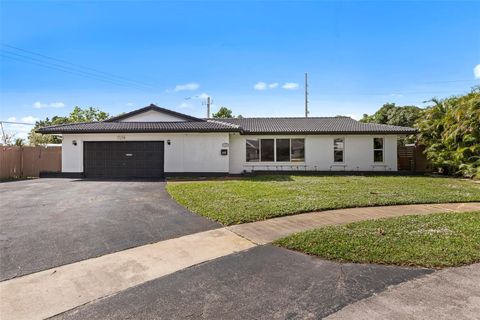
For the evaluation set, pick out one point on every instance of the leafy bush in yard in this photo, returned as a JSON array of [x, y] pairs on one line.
[[450, 130]]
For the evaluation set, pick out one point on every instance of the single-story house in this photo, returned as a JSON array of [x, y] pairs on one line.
[[157, 142]]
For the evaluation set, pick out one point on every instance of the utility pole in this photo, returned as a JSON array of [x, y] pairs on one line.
[[306, 95], [3, 133], [208, 107]]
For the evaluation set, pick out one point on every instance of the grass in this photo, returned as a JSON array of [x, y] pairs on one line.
[[433, 241], [263, 197]]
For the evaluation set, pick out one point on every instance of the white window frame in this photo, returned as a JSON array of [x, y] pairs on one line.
[[289, 150], [343, 150], [259, 150], [274, 150], [382, 149], [259, 162]]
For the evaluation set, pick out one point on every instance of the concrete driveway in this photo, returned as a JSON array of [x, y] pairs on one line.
[[51, 222]]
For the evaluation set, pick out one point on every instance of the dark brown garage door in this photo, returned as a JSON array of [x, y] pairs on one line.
[[123, 159]]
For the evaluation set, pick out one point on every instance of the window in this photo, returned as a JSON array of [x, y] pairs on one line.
[[338, 146], [253, 150], [275, 150], [378, 149], [267, 147], [283, 150], [297, 150]]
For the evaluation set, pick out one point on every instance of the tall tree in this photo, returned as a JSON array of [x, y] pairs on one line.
[[223, 112], [77, 115], [450, 130], [392, 114]]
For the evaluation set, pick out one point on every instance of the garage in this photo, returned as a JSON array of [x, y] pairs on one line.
[[124, 159]]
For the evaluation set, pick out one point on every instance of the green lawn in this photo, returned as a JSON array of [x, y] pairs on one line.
[[263, 197], [434, 241]]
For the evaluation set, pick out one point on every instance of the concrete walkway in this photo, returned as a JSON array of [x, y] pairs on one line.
[[263, 232], [50, 292], [447, 294], [44, 294]]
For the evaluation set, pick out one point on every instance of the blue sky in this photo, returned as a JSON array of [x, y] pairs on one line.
[[250, 56]]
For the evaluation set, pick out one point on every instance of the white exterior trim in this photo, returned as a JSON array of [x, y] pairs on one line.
[[200, 152], [187, 152], [357, 153]]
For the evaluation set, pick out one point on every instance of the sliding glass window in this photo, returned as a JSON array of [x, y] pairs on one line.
[[283, 150], [275, 150], [297, 150], [253, 150], [267, 150]]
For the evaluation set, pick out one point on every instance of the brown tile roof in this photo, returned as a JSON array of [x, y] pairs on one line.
[[132, 127], [316, 125]]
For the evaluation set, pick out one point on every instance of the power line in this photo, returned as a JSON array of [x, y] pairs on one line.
[[13, 122], [63, 69], [77, 66], [71, 70]]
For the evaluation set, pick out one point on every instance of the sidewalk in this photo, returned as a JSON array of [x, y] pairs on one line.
[[50, 292], [47, 293], [263, 232], [446, 294]]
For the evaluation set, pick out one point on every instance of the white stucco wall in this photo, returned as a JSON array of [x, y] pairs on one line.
[[152, 116], [191, 152], [200, 152], [358, 153]]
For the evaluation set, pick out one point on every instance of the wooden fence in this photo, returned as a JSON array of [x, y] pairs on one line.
[[24, 162], [412, 158]]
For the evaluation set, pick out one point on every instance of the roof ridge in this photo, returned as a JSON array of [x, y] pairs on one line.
[[263, 118], [156, 108], [236, 126]]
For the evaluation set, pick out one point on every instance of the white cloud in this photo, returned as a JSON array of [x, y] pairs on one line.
[[20, 130], [203, 95], [184, 105], [273, 85], [476, 71], [40, 105], [260, 86], [290, 86], [29, 119], [57, 105], [186, 87]]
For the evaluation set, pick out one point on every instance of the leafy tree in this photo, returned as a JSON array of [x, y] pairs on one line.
[[450, 130], [19, 142], [87, 115], [391, 114], [223, 112], [77, 115], [8, 138]]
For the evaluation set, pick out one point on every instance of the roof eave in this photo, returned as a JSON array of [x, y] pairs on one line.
[[245, 132], [139, 131]]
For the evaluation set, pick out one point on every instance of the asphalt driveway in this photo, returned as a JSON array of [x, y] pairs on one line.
[[265, 282], [50, 222]]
